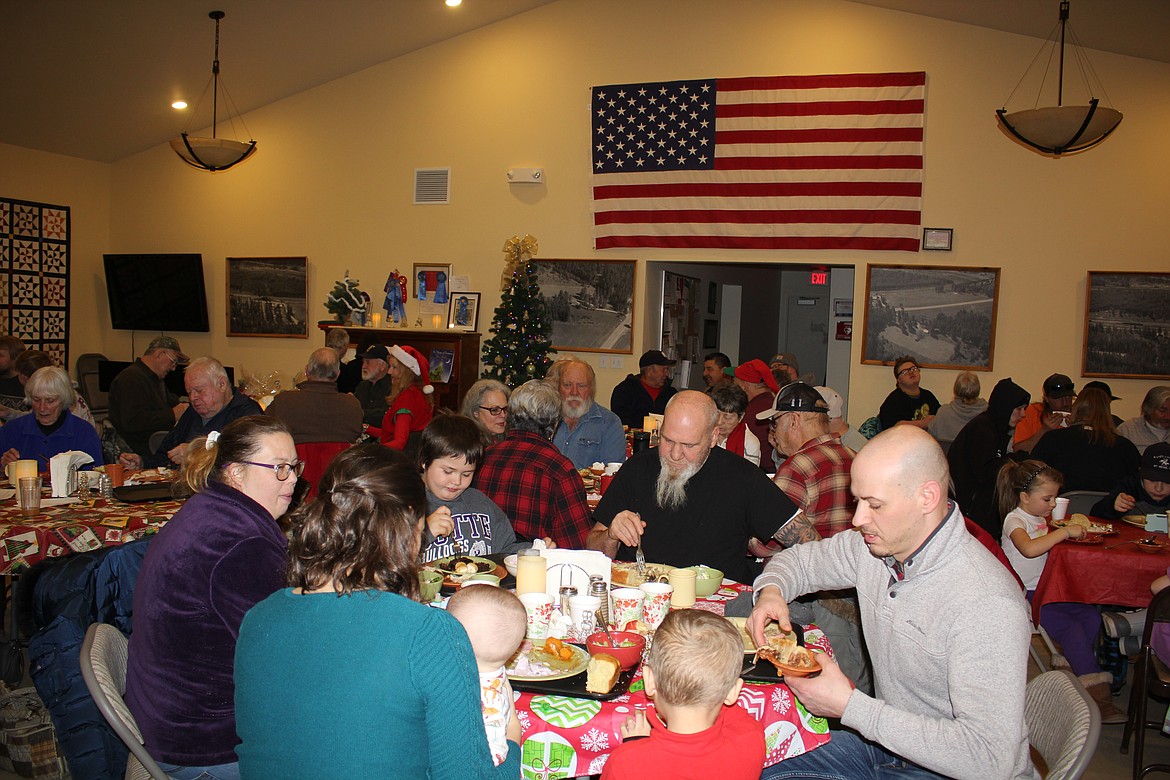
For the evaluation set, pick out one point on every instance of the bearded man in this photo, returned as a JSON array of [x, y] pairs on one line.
[[689, 502], [588, 433]]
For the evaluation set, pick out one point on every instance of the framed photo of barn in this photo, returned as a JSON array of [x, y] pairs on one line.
[[1127, 325], [268, 296], [942, 316], [590, 303]]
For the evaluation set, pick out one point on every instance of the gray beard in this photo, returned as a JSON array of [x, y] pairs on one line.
[[671, 491], [575, 414]]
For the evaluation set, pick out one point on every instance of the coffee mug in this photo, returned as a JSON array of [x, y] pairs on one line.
[[19, 469]]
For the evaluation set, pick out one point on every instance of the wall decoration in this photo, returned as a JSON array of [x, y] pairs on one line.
[[463, 313], [937, 239], [432, 282], [680, 317], [942, 316], [268, 296], [1127, 325], [34, 275], [589, 302]]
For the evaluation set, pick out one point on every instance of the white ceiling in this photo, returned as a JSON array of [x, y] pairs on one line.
[[94, 78]]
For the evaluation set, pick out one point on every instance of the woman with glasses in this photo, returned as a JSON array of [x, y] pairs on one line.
[[218, 556], [344, 674], [486, 402]]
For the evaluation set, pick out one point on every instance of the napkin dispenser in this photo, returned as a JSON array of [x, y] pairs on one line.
[[63, 471], [1156, 522], [574, 567]]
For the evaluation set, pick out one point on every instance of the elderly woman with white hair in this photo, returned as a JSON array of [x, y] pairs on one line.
[[51, 428], [486, 402]]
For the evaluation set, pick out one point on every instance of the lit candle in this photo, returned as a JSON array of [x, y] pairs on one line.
[[436, 321], [376, 319]]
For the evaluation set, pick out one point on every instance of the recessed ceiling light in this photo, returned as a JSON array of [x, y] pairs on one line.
[[179, 105], [453, 3]]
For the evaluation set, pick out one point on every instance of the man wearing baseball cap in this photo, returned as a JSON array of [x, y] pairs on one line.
[[645, 392], [375, 385], [1046, 415], [140, 403]]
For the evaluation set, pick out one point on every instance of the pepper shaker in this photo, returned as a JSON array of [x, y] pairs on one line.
[[597, 588]]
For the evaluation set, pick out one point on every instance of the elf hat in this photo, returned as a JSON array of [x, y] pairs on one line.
[[416, 363]]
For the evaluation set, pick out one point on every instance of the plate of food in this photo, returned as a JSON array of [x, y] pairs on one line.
[[786, 651], [1088, 539], [457, 569], [626, 574], [551, 660], [1088, 524], [1138, 520]]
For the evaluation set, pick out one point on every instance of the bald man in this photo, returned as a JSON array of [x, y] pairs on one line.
[[949, 688], [689, 502], [316, 411]]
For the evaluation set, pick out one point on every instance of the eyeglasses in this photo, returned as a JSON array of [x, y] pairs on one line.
[[282, 469], [776, 421], [173, 359], [494, 411], [910, 370]]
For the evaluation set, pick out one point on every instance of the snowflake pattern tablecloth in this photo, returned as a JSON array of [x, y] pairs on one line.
[[567, 737]]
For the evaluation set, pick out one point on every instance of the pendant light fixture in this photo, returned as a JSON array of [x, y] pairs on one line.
[[214, 153], [1061, 129]]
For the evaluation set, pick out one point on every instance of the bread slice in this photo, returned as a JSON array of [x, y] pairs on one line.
[[602, 673], [788, 657]]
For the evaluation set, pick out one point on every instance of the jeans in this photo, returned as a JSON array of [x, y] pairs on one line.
[[848, 757], [218, 772]]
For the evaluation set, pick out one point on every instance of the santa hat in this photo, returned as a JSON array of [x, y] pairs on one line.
[[414, 360], [756, 372]]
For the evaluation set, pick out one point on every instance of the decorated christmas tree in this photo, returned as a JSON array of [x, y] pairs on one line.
[[346, 299], [519, 349]]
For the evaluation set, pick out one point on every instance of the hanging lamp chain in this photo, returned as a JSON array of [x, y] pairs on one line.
[[216, 15]]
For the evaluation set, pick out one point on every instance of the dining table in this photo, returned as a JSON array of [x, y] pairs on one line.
[[1110, 569], [564, 736], [67, 526]]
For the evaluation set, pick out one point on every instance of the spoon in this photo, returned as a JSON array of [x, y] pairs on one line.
[[604, 627]]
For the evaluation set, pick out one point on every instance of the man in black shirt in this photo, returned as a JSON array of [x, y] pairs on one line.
[[908, 403]]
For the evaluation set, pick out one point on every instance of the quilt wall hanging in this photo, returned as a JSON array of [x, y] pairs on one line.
[[34, 275], [774, 162]]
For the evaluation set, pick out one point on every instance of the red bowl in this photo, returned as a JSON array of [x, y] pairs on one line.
[[628, 656]]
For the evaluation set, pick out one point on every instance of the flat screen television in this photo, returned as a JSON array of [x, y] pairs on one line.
[[162, 292]]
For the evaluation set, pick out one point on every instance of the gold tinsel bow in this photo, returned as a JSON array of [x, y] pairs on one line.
[[517, 252]]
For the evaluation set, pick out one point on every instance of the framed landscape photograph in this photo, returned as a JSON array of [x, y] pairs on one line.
[[463, 313], [590, 303], [1127, 325], [943, 316], [268, 296]]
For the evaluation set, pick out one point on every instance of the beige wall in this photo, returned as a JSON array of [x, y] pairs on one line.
[[332, 179]]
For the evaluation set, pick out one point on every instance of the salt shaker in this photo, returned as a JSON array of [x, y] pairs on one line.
[[597, 588]]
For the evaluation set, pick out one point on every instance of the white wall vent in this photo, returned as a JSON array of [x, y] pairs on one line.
[[432, 185]]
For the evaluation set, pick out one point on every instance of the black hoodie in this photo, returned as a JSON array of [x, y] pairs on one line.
[[978, 452]]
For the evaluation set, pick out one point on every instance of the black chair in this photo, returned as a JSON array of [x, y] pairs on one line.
[[87, 380], [1151, 678], [1081, 501]]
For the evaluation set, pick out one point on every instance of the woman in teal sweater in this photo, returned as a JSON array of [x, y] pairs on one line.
[[345, 674]]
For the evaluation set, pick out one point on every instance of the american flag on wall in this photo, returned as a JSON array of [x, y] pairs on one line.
[[785, 162]]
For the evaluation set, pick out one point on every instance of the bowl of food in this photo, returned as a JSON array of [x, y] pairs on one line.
[[1150, 545], [627, 647], [482, 579], [707, 580], [510, 563]]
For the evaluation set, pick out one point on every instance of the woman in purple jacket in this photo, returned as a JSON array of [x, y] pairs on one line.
[[218, 556]]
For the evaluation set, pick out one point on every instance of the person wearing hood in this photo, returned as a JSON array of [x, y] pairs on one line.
[[756, 379], [951, 418], [980, 449]]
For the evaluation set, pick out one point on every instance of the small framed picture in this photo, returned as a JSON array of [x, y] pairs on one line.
[[463, 313], [937, 239], [432, 282]]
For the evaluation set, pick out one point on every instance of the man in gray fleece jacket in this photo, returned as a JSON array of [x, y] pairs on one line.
[[945, 623]]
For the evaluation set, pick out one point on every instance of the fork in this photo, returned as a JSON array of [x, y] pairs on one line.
[[640, 559]]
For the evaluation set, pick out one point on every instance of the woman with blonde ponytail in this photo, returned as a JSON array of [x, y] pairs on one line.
[[219, 555]]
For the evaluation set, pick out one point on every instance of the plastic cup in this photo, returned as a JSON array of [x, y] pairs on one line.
[[28, 495], [116, 473], [583, 614], [538, 611], [657, 603], [683, 581], [1061, 509], [627, 606]]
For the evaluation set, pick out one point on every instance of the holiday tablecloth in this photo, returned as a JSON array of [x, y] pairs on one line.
[[568, 737], [73, 528]]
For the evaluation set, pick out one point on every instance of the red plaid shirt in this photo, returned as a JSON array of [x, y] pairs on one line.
[[816, 478], [538, 487]]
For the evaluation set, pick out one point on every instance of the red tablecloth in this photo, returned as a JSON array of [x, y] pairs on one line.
[[568, 737], [73, 528], [1100, 573]]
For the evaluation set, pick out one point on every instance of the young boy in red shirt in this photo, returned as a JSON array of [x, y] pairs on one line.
[[696, 730]]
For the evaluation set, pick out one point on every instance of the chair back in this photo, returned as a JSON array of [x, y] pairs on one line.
[[1081, 501], [1151, 678], [1064, 723], [317, 456], [87, 380], [103, 667]]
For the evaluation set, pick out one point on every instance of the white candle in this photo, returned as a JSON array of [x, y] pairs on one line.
[[376, 319], [436, 321]]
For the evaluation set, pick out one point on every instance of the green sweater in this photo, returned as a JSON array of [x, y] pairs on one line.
[[369, 685]]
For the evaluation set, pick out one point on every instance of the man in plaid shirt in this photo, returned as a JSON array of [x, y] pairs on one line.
[[529, 478]]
